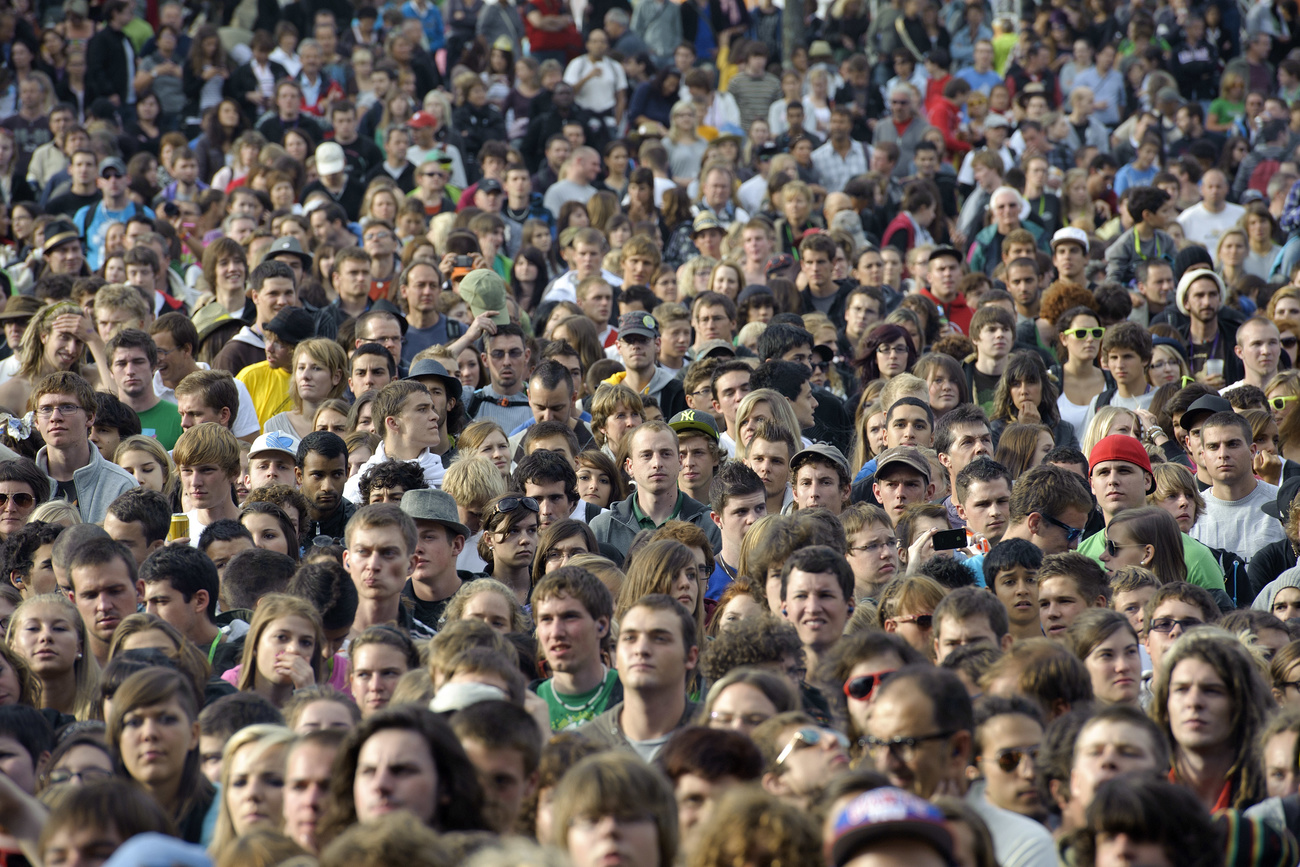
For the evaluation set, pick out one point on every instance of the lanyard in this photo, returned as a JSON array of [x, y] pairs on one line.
[[212, 650], [1137, 245]]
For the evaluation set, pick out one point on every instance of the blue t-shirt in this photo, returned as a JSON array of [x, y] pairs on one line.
[[96, 227], [981, 81], [1132, 176]]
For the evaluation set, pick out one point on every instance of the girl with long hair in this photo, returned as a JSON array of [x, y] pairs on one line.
[[887, 351], [252, 784], [1021, 447], [1149, 537], [1079, 334], [1231, 256], [491, 602], [283, 651], [509, 539], [666, 567], [318, 374], [487, 439], [1027, 395], [580, 333], [727, 278], [599, 479], [48, 634], [617, 164], [559, 543], [946, 380], [1107, 645], [377, 659], [271, 528], [13, 184], [1107, 421], [529, 276], [205, 74], [684, 145]]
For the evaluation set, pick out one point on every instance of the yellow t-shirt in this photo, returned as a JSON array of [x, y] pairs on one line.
[[269, 389]]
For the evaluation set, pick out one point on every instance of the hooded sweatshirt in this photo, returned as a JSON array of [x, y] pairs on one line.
[[664, 387], [428, 461], [1289, 578]]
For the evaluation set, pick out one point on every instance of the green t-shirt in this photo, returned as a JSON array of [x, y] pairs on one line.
[[574, 710], [1202, 569], [163, 423]]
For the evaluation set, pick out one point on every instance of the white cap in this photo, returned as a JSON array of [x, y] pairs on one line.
[[1201, 272], [275, 441], [1070, 235], [330, 159], [458, 696]]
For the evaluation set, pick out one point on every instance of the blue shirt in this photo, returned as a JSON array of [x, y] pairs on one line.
[[981, 81], [719, 581], [97, 227], [1132, 176]]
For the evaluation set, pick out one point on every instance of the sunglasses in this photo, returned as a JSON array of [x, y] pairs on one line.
[[821, 366], [1289, 341], [1081, 333], [1072, 534], [22, 501], [811, 737], [1281, 402], [922, 621], [509, 504], [863, 687], [1112, 550], [1009, 759]]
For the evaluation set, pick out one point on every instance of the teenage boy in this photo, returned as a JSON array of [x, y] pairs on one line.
[[768, 455], [817, 598], [273, 289], [181, 586], [504, 744], [1235, 497], [1126, 353], [208, 395], [550, 479], [638, 344], [207, 461], [674, 337], [446, 391], [65, 413], [737, 501], [961, 436], [982, 492], [114, 206], [552, 396], [821, 478], [439, 539], [139, 519], [105, 589], [176, 340], [114, 422], [969, 616], [714, 318], [380, 541], [1011, 574], [640, 259], [596, 299], [655, 465], [729, 384], [697, 445], [321, 473], [993, 330], [1068, 585], [574, 611], [405, 416], [816, 264], [133, 359], [1070, 255], [943, 276], [1049, 507], [272, 460], [902, 479], [1259, 346], [1121, 478], [589, 249], [370, 368], [872, 549], [1151, 210]]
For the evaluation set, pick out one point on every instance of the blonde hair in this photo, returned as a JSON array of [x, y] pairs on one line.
[[85, 669], [271, 607], [151, 446], [473, 481], [323, 351], [56, 512], [264, 739], [519, 621], [30, 349], [1101, 423], [782, 413]]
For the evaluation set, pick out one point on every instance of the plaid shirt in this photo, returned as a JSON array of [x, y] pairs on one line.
[[836, 171]]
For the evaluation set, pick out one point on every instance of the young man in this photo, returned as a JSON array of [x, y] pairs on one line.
[[222, 540], [307, 767], [503, 743], [549, 478], [1121, 478], [738, 499], [404, 412], [969, 616], [273, 290], [872, 550], [1011, 574], [105, 589], [507, 359], [1155, 283], [821, 478], [1233, 502], [420, 283], [207, 396], [1152, 210], [902, 479], [982, 492], [638, 344], [321, 473], [176, 340], [207, 461], [552, 396], [993, 331], [697, 439], [675, 338], [1259, 346], [378, 556], [714, 318], [817, 598], [370, 368], [769, 455], [271, 461], [446, 391], [943, 274], [1070, 255], [654, 464], [379, 239], [1049, 507], [729, 384], [656, 650], [588, 252], [574, 611], [909, 422], [439, 539], [823, 294], [1205, 327], [114, 206], [65, 412], [1168, 615], [140, 520], [114, 422], [133, 359], [1068, 585], [1126, 353], [792, 381], [181, 586], [960, 436]]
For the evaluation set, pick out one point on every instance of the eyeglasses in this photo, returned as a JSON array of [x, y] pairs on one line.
[[501, 354], [723, 718], [22, 501], [1281, 402], [1010, 758], [703, 392], [111, 174], [922, 621], [65, 409], [1161, 365], [904, 749], [892, 350], [1289, 341], [811, 737], [88, 775], [378, 236], [1167, 624], [1081, 333], [863, 687], [1112, 550], [1072, 534], [873, 548], [823, 366], [561, 555]]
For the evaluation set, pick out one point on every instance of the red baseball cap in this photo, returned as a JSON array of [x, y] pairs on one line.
[[1120, 447]]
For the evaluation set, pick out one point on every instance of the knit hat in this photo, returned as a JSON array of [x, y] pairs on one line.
[[1252, 842], [1289, 578], [1121, 447], [1189, 258], [1190, 277]]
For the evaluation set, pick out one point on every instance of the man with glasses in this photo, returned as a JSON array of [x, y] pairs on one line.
[[873, 549], [382, 325], [507, 358], [638, 345], [65, 412], [800, 756], [1174, 609], [1121, 479], [114, 206], [432, 177], [919, 735], [379, 239], [1008, 735], [1049, 508], [573, 610], [439, 539]]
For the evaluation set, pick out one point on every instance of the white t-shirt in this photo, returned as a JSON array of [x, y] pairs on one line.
[[600, 92], [1202, 227], [1239, 525]]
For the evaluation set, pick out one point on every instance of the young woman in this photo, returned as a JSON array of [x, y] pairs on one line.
[[946, 379], [1148, 537], [528, 277], [332, 416], [361, 418], [1027, 395], [283, 650], [272, 528], [487, 438], [50, 638], [319, 374], [745, 698], [685, 147], [615, 410], [153, 733], [13, 184], [599, 480], [1107, 644], [758, 406], [1079, 335], [508, 542], [1021, 446], [617, 159], [1168, 364], [377, 659], [727, 279], [23, 487], [1261, 229], [1231, 252], [491, 602], [887, 351], [667, 567], [1110, 420], [252, 784], [144, 131], [559, 543], [361, 448], [319, 707]]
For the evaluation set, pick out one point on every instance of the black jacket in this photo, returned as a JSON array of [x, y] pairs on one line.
[[477, 125], [551, 122], [274, 128], [363, 155], [243, 81], [107, 65], [350, 199], [1229, 320], [405, 181]]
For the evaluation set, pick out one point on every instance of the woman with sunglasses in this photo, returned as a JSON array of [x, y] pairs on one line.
[[1107, 645], [23, 487], [1079, 343], [1148, 537], [509, 540], [1282, 392]]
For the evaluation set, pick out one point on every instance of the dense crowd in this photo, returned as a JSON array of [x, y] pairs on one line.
[[692, 434]]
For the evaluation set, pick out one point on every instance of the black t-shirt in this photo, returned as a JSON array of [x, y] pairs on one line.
[[67, 491], [69, 203], [428, 613]]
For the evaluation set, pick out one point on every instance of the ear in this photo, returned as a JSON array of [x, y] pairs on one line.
[[717, 519], [139, 590], [199, 600], [890, 625], [929, 492], [961, 510], [297, 474], [1006, 642], [225, 416], [1237, 350]]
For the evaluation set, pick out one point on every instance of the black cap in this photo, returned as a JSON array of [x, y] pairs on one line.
[[383, 305], [1203, 406], [1281, 509], [58, 233], [946, 250], [490, 185], [293, 325]]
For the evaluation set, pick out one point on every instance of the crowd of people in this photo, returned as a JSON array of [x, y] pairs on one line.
[[608, 435]]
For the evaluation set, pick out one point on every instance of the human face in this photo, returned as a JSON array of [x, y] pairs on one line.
[[594, 486], [321, 480], [387, 333], [900, 713], [375, 671], [899, 488], [1204, 299], [1286, 604], [1131, 603], [1226, 453], [491, 608], [945, 394], [417, 423], [1173, 610], [507, 361], [1259, 346], [909, 426], [1279, 764], [368, 373], [315, 381], [18, 502], [377, 560], [267, 532], [1103, 751], [891, 358], [1128, 551], [1115, 668], [47, 640], [731, 388], [514, 548], [650, 653], [496, 449], [873, 554], [712, 323], [1011, 739], [396, 771], [270, 468], [817, 484], [255, 791], [155, 742], [105, 595], [953, 633], [1200, 706], [654, 462], [306, 789], [987, 508], [771, 461], [1059, 602], [612, 841], [284, 640], [815, 604], [1119, 485], [568, 634], [62, 421]]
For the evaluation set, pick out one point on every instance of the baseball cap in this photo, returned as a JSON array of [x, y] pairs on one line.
[[638, 323], [943, 250], [778, 261], [293, 325], [111, 163], [887, 813], [289, 245], [422, 120], [483, 290], [1190, 277], [432, 367], [1121, 447], [330, 159], [995, 120], [1070, 235], [458, 696], [1203, 406], [904, 455], [715, 347], [824, 450], [689, 419], [489, 185], [431, 504], [1286, 494], [275, 441]]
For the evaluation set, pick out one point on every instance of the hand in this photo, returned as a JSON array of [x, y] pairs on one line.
[[1267, 466], [296, 668], [1148, 420], [483, 324], [182, 541], [1215, 381], [78, 324], [1027, 413], [922, 549]]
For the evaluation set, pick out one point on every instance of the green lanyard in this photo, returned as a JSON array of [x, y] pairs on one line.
[[212, 650]]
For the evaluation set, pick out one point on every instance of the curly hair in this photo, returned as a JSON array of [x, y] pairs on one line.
[[392, 474], [757, 641]]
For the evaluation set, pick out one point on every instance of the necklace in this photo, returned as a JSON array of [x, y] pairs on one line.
[[600, 690]]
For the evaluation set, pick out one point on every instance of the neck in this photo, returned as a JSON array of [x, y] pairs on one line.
[[583, 679], [142, 402], [1029, 310], [80, 189], [516, 203], [384, 266], [175, 373], [166, 792], [1144, 230], [226, 511], [204, 634], [1235, 489], [701, 492], [437, 587], [1203, 772], [422, 318], [1026, 630], [1258, 378], [402, 449], [518, 578], [649, 714], [775, 501], [232, 298], [1213, 208], [1261, 245], [841, 144], [444, 440], [64, 462], [637, 380], [60, 692], [97, 647], [115, 204], [658, 506], [1154, 307], [1132, 389], [375, 612], [1203, 332], [991, 366]]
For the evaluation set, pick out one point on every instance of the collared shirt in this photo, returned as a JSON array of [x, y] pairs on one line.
[[834, 170], [648, 523]]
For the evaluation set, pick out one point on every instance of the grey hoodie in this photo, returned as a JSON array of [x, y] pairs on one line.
[[1289, 578], [98, 484]]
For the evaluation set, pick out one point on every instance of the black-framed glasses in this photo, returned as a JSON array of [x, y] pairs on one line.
[[1010, 758], [821, 366], [86, 775], [811, 737], [21, 500], [1167, 624], [902, 748], [509, 504], [1112, 550], [863, 687], [1072, 534], [1081, 333], [873, 548]]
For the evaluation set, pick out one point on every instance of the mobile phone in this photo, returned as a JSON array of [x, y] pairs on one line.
[[463, 262], [947, 540]]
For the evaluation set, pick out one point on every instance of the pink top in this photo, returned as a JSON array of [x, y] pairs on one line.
[[338, 674]]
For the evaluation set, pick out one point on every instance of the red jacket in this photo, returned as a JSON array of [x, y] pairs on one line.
[[945, 116], [957, 312], [900, 223]]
